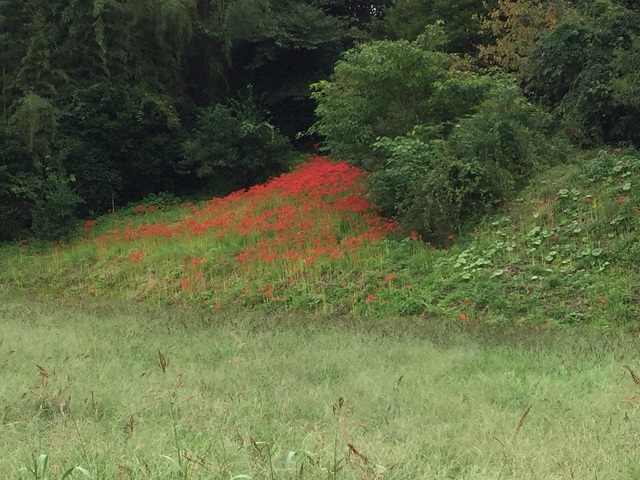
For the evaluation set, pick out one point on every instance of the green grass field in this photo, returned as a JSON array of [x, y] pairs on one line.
[[125, 391], [291, 332]]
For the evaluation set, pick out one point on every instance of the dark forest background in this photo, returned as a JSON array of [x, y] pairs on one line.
[[451, 105]]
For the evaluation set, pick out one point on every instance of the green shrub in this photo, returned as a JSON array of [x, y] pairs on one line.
[[434, 179], [378, 89], [54, 212], [234, 142], [443, 147]]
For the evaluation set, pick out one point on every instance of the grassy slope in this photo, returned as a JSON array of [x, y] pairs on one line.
[[565, 253], [438, 395], [83, 383]]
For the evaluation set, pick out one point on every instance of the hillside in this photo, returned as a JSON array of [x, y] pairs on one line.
[[565, 252]]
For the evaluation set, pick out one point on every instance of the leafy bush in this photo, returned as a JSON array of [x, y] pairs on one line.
[[443, 147], [237, 143], [54, 213], [381, 88], [497, 149]]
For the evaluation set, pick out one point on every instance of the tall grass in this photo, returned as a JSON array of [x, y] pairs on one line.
[[122, 391]]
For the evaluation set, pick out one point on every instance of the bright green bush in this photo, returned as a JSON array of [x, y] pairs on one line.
[[380, 88], [443, 147], [497, 149], [434, 185]]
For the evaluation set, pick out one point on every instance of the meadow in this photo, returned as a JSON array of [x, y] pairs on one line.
[[290, 331], [123, 390]]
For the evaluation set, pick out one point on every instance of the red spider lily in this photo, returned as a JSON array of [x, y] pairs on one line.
[[316, 188], [185, 284], [143, 209], [195, 261], [294, 225], [136, 256]]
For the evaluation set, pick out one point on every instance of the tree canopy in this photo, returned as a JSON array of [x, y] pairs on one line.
[[106, 101]]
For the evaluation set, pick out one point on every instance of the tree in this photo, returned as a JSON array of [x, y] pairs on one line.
[[16, 180], [233, 147], [280, 48], [104, 94], [443, 147], [407, 19], [515, 27], [583, 69], [382, 88]]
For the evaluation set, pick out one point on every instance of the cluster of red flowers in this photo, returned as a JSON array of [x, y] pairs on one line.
[[88, 225], [136, 256], [295, 216], [143, 209]]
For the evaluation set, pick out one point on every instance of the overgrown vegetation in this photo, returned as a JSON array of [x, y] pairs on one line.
[[185, 96], [117, 390], [103, 103], [450, 292], [563, 253]]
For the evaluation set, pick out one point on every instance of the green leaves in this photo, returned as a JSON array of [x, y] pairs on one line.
[[35, 120], [378, 89], [235, 140], [443, 148], [83, 471], [585, 69], [493, 152], [41, 465]]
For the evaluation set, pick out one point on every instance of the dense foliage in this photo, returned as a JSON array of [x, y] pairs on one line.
[[444, 146], [106, 102], [564, 252], [449, 138], [446, 103]]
